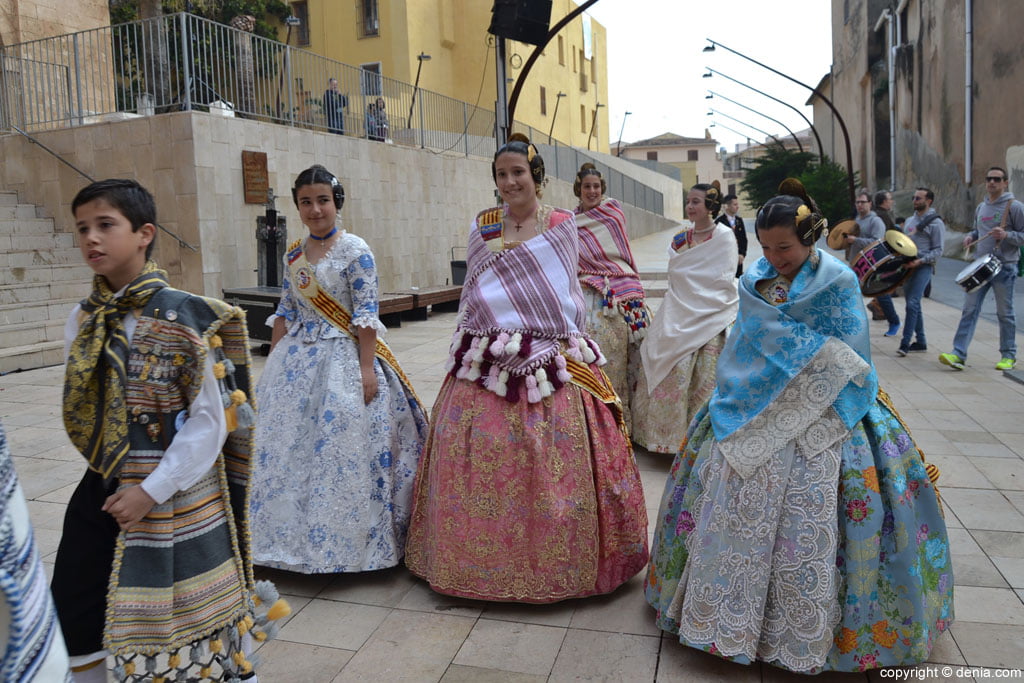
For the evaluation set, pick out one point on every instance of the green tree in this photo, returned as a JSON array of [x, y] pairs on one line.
[[761, 182], [221, 11], [825, 181]]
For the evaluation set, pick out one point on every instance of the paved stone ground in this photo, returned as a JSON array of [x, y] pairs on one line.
[[388, 626]]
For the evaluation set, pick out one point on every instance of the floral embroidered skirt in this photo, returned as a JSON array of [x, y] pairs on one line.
[[662, 417], [892, 590], [606, 327], [526, 502]]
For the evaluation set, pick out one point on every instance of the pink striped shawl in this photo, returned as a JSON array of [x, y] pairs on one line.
[[606, 261], [520, 308]]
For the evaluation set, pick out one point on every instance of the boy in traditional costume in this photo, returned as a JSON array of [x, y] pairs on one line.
[[154, 556]]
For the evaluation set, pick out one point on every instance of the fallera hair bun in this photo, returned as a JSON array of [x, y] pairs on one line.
[[518, 137]]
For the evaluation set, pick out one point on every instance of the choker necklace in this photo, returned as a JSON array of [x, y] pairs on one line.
[[327, 236]]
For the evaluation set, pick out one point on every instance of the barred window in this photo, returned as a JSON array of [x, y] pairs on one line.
[[370, 81], [369, 18], [300, 10]]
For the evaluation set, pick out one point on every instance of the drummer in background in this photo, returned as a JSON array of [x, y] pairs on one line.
[[872, 229], [926, 229], [1003, 240]]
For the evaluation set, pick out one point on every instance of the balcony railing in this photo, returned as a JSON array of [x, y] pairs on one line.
[[181, 62]]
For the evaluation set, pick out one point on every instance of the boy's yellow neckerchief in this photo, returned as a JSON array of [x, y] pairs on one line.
[[95, 414]]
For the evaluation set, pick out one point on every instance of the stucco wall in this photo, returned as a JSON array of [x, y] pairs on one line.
[[412, 206]]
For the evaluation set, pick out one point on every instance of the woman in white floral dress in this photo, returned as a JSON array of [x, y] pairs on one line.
[[340, 430]]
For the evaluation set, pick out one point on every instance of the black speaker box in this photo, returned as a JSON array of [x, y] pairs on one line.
[[523, 20]]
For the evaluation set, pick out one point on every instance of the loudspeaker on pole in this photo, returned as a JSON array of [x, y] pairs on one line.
[[524, 20]]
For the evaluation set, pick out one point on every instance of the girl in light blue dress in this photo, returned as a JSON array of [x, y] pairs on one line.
[[340, 431], [799, 524]]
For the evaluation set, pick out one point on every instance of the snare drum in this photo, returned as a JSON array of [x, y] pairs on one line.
[[880, 269], [979, 272]]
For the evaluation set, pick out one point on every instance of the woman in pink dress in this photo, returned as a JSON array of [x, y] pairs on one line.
[[527, 490]]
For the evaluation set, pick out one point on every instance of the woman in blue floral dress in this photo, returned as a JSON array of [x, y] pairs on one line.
[[339, 432], [799, 525]]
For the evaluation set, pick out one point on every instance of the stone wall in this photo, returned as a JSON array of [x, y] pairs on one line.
[[35, 19], [411, 205]]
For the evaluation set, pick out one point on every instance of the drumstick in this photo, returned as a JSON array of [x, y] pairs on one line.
[[967, 249]]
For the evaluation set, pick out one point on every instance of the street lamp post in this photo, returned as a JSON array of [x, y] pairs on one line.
[[422, 57], [618, 152], [827, 101], [821, 148], [290, 21], [593, 123], [558, 98], [744, 123], [792, 134]]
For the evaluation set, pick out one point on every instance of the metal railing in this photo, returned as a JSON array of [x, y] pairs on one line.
[[183, 62]]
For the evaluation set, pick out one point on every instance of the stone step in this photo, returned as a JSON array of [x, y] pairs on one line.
[[8, 198], [654, 289], [20, 212], [47, 273], [55, 309], [31, 356], [13, 242], [646, 274], [27, 334], [44, 293], [41, 257]]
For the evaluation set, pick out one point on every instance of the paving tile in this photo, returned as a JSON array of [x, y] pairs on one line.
[[1005, 473], [624, 611], [773, 674], [1000, 543], [555, 614], [473, 674], [334, 624], [293, 583], [1012, 568], [282, 661], [421, 598], [950, 419], [61, 495], [1003, 421], [1012, 442], [983, 509], [1016, 499], [600, 656], [958, 471], [962, 542], [990, 645], [946, 650], [986, 450], [384, 588], [976, 570], [408, 646], [678, 663], [988, 605], [521, 648], [965, 436]]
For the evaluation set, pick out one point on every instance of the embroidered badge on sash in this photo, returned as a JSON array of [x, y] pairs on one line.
[[490, 223], [295, 252], [679, 240], [303, 278]]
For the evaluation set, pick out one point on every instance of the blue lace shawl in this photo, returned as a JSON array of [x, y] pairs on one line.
[[769, 345]]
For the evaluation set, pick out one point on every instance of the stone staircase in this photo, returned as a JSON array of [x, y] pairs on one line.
[[41, 277]]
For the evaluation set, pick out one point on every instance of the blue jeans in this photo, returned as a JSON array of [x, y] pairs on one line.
[[1002, 286], [885, 302], [913, 290]]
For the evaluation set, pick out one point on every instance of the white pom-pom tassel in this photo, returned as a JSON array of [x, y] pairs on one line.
[[514, 344], [532, 392], [563, 375], [474, 372], [498, 346], [492, 378], [501, 389], [586, 352], [482, 343], [449, 364], [545, 387]]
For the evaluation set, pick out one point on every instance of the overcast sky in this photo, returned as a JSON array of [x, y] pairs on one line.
[[655, 62]]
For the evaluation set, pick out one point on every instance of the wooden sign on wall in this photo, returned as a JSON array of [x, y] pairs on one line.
[[255, 180]]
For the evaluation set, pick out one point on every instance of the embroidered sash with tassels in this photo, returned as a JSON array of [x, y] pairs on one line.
[[305, 282], [607, 265]]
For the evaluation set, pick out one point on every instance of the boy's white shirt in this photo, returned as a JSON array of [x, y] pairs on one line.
[[197, 444]]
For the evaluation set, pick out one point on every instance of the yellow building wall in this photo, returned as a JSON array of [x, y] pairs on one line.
[[27, 20], [454, 34]]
